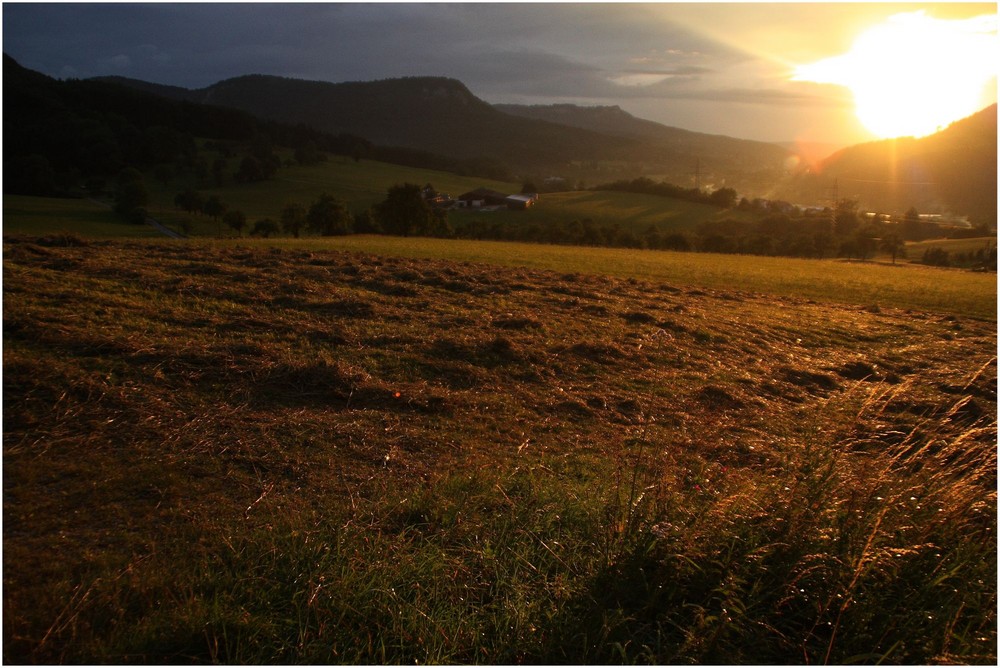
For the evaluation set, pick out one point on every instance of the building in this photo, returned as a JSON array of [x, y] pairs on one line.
[[481, 197], [522, 201]]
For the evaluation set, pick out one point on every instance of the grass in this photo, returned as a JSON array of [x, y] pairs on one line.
[[872, 284], [358, 184], [632, 212], [916, 249], [364, 184], [864, 284], [275, 454], [46, 215]]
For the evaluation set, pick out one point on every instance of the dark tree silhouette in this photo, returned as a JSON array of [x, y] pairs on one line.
[[328, 216]]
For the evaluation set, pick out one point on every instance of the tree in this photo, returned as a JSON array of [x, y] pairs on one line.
[[29, 175], [219, 171], [676, 242], [235, 219], [190, 200], [293, 218], [309, 154], [365, 222], [163, 173], [250, 170], [328, 217], [822, 242], [265, 228], [404, 211], [846, 218], [723, 197], [213, 207], [865, 244], [937, 257], [130, 192], [893, 243]]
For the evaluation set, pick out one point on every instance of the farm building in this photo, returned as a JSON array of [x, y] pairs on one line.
[[482, 197], [522, 201]]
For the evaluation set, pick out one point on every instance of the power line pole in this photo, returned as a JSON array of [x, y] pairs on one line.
[[834, 202]]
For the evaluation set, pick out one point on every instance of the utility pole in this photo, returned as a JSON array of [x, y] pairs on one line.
[[834, 202]]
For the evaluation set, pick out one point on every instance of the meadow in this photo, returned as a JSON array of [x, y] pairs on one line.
[[871, 284], [236, 452]]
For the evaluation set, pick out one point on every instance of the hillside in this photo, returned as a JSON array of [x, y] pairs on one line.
[[60, 135], [954, 170], [442, 116], [715, 152]]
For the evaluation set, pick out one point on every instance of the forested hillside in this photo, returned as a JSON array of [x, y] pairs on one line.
[[954, 170], [59, 135], [442, 116]]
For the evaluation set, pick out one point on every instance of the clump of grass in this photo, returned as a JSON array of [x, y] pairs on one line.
[[844, 558]]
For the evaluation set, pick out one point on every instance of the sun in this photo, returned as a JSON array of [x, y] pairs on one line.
[[914, 74]]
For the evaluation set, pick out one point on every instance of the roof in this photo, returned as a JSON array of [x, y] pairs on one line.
[[523, 198], [482, 193]]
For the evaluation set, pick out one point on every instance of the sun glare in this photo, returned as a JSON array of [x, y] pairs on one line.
[[914, 74]]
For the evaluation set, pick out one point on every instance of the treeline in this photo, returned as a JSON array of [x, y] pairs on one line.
[[406, 212], [982, 259]]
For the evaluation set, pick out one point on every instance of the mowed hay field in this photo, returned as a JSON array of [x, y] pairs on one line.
[[251, 454]]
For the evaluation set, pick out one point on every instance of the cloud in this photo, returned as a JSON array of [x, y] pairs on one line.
[[119, 62]]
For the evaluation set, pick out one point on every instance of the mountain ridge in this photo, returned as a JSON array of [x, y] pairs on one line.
[[952, 171], [441, 115]]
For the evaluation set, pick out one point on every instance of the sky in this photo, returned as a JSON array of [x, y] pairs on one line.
[[709, 67]]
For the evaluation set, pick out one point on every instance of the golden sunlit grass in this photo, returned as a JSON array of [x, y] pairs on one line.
[[260, 454], [863, 283]]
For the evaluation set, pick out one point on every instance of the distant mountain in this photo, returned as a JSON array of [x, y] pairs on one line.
[[442, 116], [58, 134], [614, 121], [954, 171]]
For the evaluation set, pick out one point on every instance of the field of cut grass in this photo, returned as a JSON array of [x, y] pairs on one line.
[[248, 454], [859, 283], [865, 284]]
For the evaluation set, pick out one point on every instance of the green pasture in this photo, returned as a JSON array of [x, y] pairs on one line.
[[364, 184], [43, 215], [631, 211], [358, 184], [916, 249]]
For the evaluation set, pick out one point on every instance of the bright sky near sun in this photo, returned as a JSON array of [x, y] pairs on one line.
[[836, 73], [913, 74]]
